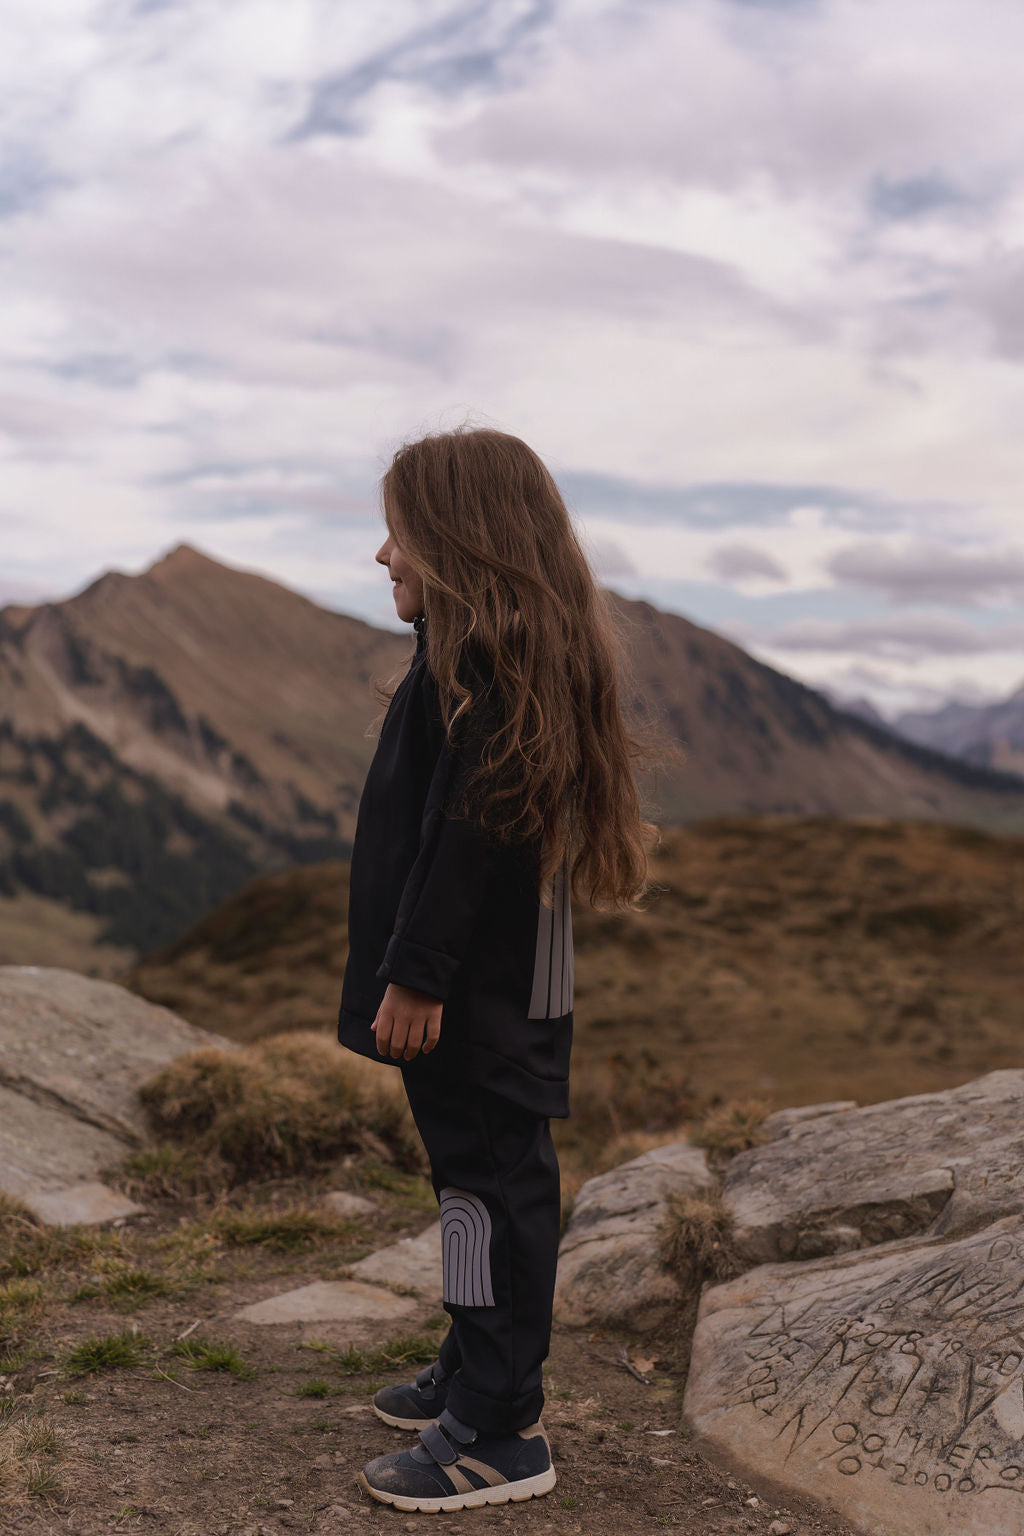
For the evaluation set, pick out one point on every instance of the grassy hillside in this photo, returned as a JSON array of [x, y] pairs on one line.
[[794, 959]]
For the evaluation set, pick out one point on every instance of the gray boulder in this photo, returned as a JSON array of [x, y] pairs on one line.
[[889, 1384], [609, 1270], [73, 1053], [937, 1164]]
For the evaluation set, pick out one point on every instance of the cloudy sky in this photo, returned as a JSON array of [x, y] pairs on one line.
[[749, 274]]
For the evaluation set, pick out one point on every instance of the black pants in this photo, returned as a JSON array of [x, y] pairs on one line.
[[495, 1174]]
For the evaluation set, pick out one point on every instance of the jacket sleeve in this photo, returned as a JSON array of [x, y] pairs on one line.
[[447, 885]]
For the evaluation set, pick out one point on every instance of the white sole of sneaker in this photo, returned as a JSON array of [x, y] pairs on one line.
[[505, 1493], [397, 1423]]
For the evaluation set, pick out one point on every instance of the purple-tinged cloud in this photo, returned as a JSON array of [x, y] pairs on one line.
[[742, 562], [902, 637], [931, 573]]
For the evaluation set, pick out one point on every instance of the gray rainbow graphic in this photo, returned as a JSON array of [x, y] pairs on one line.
[[466, 1245]]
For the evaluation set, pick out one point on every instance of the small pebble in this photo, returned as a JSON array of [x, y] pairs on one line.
[[753, 1503], [283, 1503], [780, 1528]]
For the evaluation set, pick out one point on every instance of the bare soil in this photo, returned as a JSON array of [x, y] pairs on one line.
[[163, 1448]]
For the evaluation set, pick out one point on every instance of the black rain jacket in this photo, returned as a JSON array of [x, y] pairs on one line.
[[437, 904]]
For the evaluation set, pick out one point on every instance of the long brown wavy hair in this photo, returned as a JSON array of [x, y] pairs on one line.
[[506, 584]]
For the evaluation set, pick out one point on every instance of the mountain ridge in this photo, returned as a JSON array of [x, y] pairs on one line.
[[989, 734], [167, 735]]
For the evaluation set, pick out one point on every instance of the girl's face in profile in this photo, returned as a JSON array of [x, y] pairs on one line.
[[408, 586]]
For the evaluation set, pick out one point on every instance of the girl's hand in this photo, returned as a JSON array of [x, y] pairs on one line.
[[407, 1022]]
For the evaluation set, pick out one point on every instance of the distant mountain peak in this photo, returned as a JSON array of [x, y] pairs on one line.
[[183, 559]]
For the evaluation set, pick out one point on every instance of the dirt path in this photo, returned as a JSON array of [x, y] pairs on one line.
[[214, 1454]]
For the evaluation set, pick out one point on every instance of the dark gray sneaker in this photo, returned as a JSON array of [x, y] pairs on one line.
[[416, 1404], [452, 1467]]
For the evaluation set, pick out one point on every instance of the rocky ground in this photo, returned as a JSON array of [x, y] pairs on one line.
[[259, 1429]]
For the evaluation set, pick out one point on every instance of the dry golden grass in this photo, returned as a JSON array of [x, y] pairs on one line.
[[281, 1105], [696, 1243], [15, 1218], [38, 930], [32, 1451], [265, 962], [793, 958], [732, 1127], [803, 959]]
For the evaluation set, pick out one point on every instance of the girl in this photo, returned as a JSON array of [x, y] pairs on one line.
[[502, 784]]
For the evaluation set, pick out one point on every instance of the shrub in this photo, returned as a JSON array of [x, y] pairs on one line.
[[281, 1105]]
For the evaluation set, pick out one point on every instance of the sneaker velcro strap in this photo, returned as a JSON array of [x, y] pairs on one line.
[[425, 1378], [438, 1446]]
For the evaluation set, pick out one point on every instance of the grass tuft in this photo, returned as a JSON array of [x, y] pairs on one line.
[[169, 1172], [15, 1218], [411, 1190], [695, 1241], [106, 1352], [732, 1127], [31, 1448], [286, 1231], [282, 1105], [205, 1355], [27, 1246], [126, 1288], [412, 1349]]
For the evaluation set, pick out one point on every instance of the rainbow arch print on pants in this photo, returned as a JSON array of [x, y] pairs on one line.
[[466, 1249]]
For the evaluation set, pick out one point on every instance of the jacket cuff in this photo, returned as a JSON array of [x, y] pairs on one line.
[[413, 965]]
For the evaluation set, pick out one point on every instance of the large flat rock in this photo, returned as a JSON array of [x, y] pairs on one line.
[[890, 1384], [82, 1204], [73, 1053], [85, 1046], [329, 1301], [609, 1269], [414, 1263], [53, 1162], [938, 1163]]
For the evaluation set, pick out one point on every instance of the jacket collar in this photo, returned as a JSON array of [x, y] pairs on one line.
[[419, 624]]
